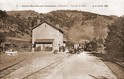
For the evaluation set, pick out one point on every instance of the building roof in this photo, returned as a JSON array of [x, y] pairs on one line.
[[44, 41], [50, 25]]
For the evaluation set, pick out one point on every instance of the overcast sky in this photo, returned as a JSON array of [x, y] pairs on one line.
[[107, 7]]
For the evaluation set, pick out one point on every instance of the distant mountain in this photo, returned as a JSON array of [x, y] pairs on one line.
[[77, 25], [24, 14]]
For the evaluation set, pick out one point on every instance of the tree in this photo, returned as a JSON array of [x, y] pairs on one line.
[[115, 40], [2, 38], [3, 14]]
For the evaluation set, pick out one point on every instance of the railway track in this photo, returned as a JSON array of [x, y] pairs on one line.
[[9, 69], [115, 63], [116, 68], [118, 64], [4, 73], [13, 67], [44, 72]]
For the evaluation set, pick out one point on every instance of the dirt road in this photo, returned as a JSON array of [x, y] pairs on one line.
[[83, 66], [63, 66]]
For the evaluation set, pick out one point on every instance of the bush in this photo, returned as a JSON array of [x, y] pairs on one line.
[[115, 40], [2, 38]]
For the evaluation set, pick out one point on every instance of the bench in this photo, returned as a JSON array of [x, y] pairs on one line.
[[12, 53]]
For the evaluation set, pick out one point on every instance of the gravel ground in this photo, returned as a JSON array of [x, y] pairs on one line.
[[116, 67], [6, 60], [83, 66], [33, 63], [117, 70], [80, 66]]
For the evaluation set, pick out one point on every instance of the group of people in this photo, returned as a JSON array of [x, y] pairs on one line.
[[61, 49], [75, 48], [78, 49]]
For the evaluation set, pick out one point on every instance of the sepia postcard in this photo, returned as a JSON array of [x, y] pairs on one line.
[[61, 39]]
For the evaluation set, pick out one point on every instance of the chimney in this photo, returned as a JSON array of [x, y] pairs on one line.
[[57, 25], [38, 21]]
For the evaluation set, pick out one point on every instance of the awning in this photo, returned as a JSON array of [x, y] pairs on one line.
[[44, 41]]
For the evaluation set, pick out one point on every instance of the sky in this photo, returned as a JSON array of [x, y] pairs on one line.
[[104, 7]]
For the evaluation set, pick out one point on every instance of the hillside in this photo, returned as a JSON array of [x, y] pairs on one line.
[[79, 25], [18, 23], [76, 25]]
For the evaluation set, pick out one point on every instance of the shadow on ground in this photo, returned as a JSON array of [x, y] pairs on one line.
[[101, 77]]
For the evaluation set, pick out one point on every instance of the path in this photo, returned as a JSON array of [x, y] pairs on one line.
[[83, 66], [77, 66]]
